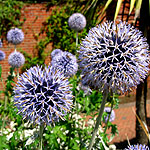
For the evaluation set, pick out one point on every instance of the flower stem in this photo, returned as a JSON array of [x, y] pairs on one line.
[[98, 120], [17, 73], [41, 135], [5, 107], [112, 103], [76, 39]]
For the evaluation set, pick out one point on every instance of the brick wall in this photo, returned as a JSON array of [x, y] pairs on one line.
[[35, 15]]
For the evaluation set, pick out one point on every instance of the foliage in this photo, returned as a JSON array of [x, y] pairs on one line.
[[73, 133], [10, 13], [58, 33], [8, 86]]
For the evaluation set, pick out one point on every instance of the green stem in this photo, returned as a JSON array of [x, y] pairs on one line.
[[76, 39], [112, 103], [17, 72], [41, 135], [5, 107], [98, 120]]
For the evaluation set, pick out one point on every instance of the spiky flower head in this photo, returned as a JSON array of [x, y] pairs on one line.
[[77, 21], [2, 55], [137, 147], [15, 36], [112, 115], [43, 95], [114, 56], [16, 59], [1, 44], [66, 63], [55, 52]]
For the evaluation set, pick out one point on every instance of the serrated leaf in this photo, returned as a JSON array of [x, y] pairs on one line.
[[117, 8], [131, 6]]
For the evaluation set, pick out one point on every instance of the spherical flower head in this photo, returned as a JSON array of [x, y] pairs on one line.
[[77, 21], [66, 63], [2, 55], [16, 59], [114, 57], [55, 52], [137, 147], [112, 115], [1, 44], [43, 95], [15, 36]]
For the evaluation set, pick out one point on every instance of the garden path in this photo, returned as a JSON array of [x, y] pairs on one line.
[[126, 121]]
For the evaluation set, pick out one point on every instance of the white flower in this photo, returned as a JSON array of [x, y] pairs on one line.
[[9, 136]]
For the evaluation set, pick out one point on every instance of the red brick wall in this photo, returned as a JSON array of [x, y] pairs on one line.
[[35, 15]]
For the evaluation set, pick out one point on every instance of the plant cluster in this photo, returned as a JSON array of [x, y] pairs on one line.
[[54, 100]]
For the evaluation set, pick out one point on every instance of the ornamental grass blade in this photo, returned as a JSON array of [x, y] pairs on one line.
[[138, 7], [143, 125], [131, 6], [149, 7], [106, 6], [117, 8]]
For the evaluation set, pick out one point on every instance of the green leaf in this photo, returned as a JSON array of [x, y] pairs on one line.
[[131, 6], [117, 8], [138, 7], [106, 6]]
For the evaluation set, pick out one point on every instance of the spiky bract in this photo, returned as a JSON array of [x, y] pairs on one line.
[[43, 95], [112, 115], [2, 55], [15, 36], [137, 147], [16, 59], [55, 52], [66, 63], [77, 21], [114, 56]]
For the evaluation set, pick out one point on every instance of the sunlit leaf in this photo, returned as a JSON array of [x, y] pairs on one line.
[[131, 6], [138, 7], [143, 125], [117, 8], [106, 6]]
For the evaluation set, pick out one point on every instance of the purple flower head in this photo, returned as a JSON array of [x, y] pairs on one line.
[[2, 55], [55, 52], [15, 36], [66, 63], [1, 44], [112, 115], [114, 56], [77, 21], [16, 59], [43, 95], [137, 147]]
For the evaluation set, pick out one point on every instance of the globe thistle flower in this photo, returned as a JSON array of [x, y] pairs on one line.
[[112, 115], [114, 57], [43, 95], [137, 147], [77, 21], [16, 59], [15, 36], [55, 52], [2, 55], [1, 44], [66, 63]]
